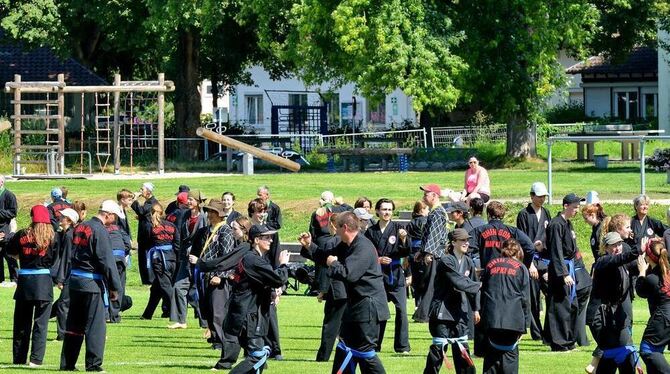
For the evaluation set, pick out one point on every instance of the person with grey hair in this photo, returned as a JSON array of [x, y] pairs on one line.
[[144, 226], [8, 209], [642, 225]]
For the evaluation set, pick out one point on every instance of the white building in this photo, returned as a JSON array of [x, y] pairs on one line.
[[572, 92], [253, 106], [207, 100]]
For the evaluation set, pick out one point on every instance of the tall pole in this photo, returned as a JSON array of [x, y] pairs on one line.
[[161, 125], [17, 124], [117, 126], [61, 124]]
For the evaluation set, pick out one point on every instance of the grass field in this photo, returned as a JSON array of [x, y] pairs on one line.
[[147, 346]]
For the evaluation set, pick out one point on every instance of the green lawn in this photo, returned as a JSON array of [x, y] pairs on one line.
[[147, 346]]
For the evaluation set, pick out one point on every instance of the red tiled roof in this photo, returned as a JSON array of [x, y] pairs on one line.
[[642, 60]]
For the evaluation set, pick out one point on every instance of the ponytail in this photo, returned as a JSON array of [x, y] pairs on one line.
[[663, 263], [603, 231], [512, 248], [43, 233], [156, 214]]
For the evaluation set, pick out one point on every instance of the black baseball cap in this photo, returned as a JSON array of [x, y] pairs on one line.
[[571, 198], [457, 206], [259, 230], [183, 188]]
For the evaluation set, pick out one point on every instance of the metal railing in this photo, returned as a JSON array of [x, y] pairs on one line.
[[54, 165], [401, 138], [466, 135]]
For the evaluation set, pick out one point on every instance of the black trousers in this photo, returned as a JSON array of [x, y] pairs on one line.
[[421, 314], [447, 329], [192, 298], [142, 249], [115, 306], [272, 338], [579, 329], [657, 332], [609, 366], [162, 287], [332, 319], [361, 336], [62, 306], [655, 363], [502, 362], [398, 296], [30, 315], [561, 318], [230, 349], [418, 270], [536, 306], [12, 266], [86, 319], [251, 344]]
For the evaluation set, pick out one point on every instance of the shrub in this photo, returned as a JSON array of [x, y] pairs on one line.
[[660, 160]]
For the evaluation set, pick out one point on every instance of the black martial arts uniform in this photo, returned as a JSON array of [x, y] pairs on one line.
[[144, 236], [594, 240], [358, 268], [8, 209], [657, 333], [505, 312], [34, 294], [121, 250], [62, 305], [612, 322], [433, 242], [273, 221], [93, 274], [456, 294], [162, 263], [248, 314], [388, 244], [55, 211], [583, 284], [417, 268], [188, 226], [334, 296], [648, 228], [535, 225], [562, 303]]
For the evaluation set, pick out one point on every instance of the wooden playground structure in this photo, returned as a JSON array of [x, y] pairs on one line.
[[127, 122]]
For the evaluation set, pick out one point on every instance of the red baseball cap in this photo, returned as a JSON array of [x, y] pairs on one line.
[[182, 198], [431, 188], [40, 214]]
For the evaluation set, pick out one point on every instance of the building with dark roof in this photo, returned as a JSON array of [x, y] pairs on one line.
[[627, 90]]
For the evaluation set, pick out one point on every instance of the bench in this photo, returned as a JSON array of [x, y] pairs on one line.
[[293, 251], [630, 149], [350, 155]]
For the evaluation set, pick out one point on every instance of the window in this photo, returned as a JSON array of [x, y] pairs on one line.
[[626, 105], [377, 113], [297, 99], [650, 105], [254, 109], [332, 102]]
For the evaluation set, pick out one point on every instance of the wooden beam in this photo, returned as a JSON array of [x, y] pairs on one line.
[[244, 147], [161, 126], [167, 87]]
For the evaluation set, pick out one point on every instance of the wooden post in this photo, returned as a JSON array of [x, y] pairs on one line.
[[161, 125], [17, 124], [117, 126], [61, 126]]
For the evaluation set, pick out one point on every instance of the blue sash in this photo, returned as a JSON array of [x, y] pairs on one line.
[[504, 348], [34, 271], [619, 354], [351, 353], [393, 263], [416, 243], [119, 252], [545, 261], [263, 354], [97, 277], [199, 279], [157, 251], [646, 347], [571, 272], [442, 342]]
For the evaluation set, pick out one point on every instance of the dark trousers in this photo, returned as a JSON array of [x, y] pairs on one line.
[[421, 314], [179, 308], [162, 287], [656, 363], [332, 319], [580, 322], [608, 366], [62, 306], [272, 338], [30, 315], [361, 336], [86, 319], [142, 249], [561, 318], [418, 270], [447, 329], [230, 349], [502, 362], [251, 344], [398, 296], [115, 306], [535, 308], [192, 298], [12, 267]]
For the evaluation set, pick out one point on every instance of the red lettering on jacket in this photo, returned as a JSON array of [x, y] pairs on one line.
[[82, 235], [29, 247]]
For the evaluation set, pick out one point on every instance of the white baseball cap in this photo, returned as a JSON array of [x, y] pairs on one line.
[[362, 213], [149, 186], [110, 206], [539, 189], [592, 197], [71, 214]]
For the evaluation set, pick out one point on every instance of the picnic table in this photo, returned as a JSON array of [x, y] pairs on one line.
[[360, 155], [630, 149]]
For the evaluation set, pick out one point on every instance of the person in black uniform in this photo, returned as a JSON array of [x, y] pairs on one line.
[[415, 231], [653, 284], [254, 282], [331, 291], [35, 248], [174, 205], [433, 244], [125, 199], [8, 209], [60, 307], [229, 212], [642, 224], [505, 308], [355, 263], [612, 321], [144, 227], [456, 294], [390, 240], [93, 274], [477, 206], [459, 212], [161, 260], [562, 303], [58, 203], [533, 221], [120, 241]]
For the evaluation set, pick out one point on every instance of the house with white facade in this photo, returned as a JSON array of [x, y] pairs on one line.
[[207, 101], [288, 106]]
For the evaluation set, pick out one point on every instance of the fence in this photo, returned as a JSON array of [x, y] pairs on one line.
[[442, 137], [401, 138]]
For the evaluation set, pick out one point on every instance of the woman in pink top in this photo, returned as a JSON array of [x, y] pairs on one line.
[[477, 182]]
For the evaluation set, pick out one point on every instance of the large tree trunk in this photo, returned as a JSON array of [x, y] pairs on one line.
[[187, 105], [521, 137]]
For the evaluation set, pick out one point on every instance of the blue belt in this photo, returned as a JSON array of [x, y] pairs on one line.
[[416, 243], [263, 354], [199, 279], [571, 272], [158, 250], [351, 353], [119, 252], [619, 354], [396, 263], [646, 347], [541, 259], [504, 348], [442, 342], [95, 276], [34, 271]]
